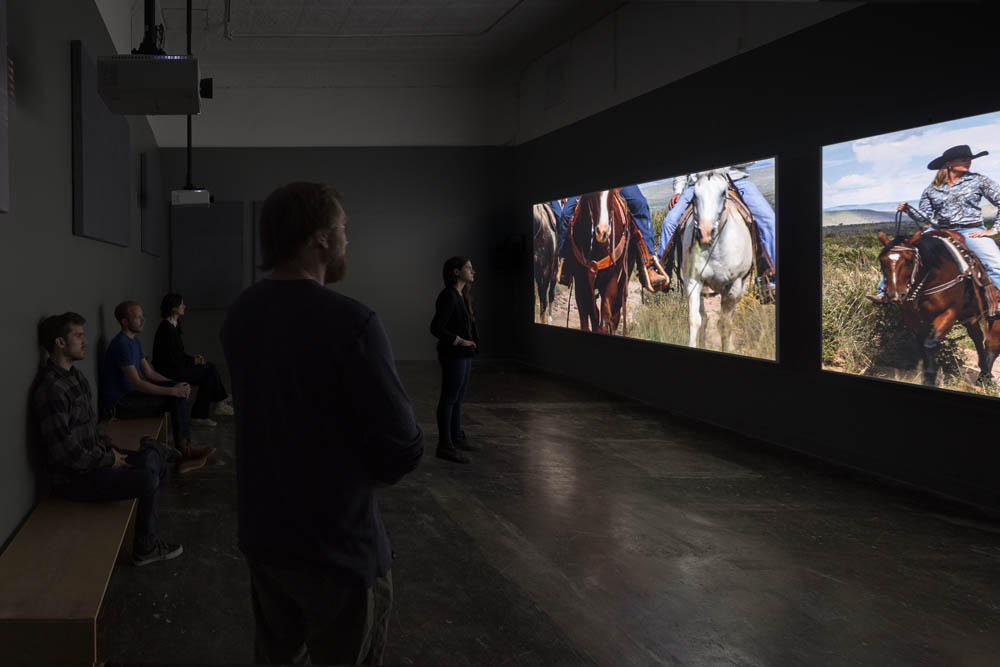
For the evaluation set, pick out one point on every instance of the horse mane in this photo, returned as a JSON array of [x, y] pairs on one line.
[[933, 251], [899, 240]]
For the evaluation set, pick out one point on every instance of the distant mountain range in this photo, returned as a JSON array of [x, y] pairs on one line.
[[878, 212], [658, 196], [889, 206]]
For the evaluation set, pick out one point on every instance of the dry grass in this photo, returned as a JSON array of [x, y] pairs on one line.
[[864, 339]]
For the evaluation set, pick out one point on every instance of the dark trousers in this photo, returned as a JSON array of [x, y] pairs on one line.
[[210, 387], [455, 372], [136, 404], [309, 614], [143, 481]]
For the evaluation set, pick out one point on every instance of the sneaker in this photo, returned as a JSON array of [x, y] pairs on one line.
[[451, 454], [161, 551], [880, 299], [224, 409], [203, 421]]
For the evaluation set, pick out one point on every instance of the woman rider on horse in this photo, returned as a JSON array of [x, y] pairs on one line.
[[951, 202]]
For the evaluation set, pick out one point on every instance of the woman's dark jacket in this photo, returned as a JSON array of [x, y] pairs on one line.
[[451, 319], [168, 349]]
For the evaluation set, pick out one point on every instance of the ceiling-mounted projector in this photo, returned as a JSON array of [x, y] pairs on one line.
[[149, 84], [191, 197]]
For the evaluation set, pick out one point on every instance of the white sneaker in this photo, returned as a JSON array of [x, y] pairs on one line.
[[204, 422], [161, 551], [224, 409]]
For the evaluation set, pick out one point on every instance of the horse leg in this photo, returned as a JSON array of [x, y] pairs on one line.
[[551, 295], [991, 349], [939, 328], [976, 334], [696, 312], [730, 298], [540, 289], [584, 301]]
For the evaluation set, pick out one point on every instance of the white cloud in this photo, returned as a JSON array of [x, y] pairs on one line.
[[892, 167]]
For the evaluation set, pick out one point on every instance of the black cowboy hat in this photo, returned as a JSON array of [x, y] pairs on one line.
[[962, 152]]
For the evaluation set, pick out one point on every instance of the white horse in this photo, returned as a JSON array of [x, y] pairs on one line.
[[717, 256]]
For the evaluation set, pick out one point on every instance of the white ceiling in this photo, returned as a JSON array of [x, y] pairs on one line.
[[438, 72]]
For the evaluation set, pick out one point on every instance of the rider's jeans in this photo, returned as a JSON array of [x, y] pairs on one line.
[[986, 250], [755, 201]]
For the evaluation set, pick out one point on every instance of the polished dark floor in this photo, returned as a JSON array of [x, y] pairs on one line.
[[595, 531]]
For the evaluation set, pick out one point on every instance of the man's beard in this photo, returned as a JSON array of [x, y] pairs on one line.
[[336, 269]]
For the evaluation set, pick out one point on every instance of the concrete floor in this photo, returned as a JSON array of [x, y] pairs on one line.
[[595, 531]]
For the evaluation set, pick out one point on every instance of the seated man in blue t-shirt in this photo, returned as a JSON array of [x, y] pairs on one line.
[[133, 389]]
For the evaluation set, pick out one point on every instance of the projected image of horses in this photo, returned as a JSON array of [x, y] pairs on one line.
[[686, 260], [909, 252]]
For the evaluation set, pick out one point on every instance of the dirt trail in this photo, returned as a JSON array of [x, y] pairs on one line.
[[558, 310]]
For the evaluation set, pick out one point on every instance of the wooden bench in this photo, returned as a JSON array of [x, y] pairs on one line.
[[54, 572]]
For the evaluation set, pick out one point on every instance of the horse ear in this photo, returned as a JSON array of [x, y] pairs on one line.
[[884, 238]]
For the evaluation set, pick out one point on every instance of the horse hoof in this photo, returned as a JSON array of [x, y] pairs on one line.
[[985, 380]]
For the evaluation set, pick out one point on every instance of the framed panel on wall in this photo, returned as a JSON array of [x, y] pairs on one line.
[[4, 114], [102, 162], [910, 255], [686, 260], [206, 253], [154, 207]]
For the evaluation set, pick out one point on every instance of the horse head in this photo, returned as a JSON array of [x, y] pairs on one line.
[[898, 260], [709, 203], [596, 207]]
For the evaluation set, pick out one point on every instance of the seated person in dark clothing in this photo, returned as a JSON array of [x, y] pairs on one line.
[[126, 394], [171, 360], [83, 463]]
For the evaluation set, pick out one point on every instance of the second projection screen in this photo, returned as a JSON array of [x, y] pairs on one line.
[[687, 260]]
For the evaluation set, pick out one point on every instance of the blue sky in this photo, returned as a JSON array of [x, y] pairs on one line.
[[769, 162], [893, 167]]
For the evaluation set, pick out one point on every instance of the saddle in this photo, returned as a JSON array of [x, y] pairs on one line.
[[762, 265], [984, 289]]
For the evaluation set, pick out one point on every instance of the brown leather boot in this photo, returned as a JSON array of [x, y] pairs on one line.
[[658, 279], [193, 458]]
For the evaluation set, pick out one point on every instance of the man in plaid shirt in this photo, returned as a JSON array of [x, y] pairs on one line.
[[83, 463]]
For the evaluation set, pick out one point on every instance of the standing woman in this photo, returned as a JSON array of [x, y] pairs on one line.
[[454, 325], [171, 360]]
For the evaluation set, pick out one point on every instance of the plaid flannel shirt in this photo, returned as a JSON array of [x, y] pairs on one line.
[[68, 425]]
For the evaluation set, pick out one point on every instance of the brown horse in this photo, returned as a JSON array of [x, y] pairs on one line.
[[937, 282], [545, 258], [600, 261]]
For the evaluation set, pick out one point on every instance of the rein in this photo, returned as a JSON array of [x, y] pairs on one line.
[[916, 289]]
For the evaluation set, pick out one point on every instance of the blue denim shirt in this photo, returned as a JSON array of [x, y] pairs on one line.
[[945, 207]]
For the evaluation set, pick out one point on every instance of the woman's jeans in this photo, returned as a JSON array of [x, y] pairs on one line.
[[455, 373]]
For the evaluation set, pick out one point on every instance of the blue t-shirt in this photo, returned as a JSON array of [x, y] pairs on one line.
[[122, 351]]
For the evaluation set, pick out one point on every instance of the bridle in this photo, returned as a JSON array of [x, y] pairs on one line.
[[915, 289]]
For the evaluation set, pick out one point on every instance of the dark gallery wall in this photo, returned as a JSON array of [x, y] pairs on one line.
[[44, 268], [875, 69], [408, 209]]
